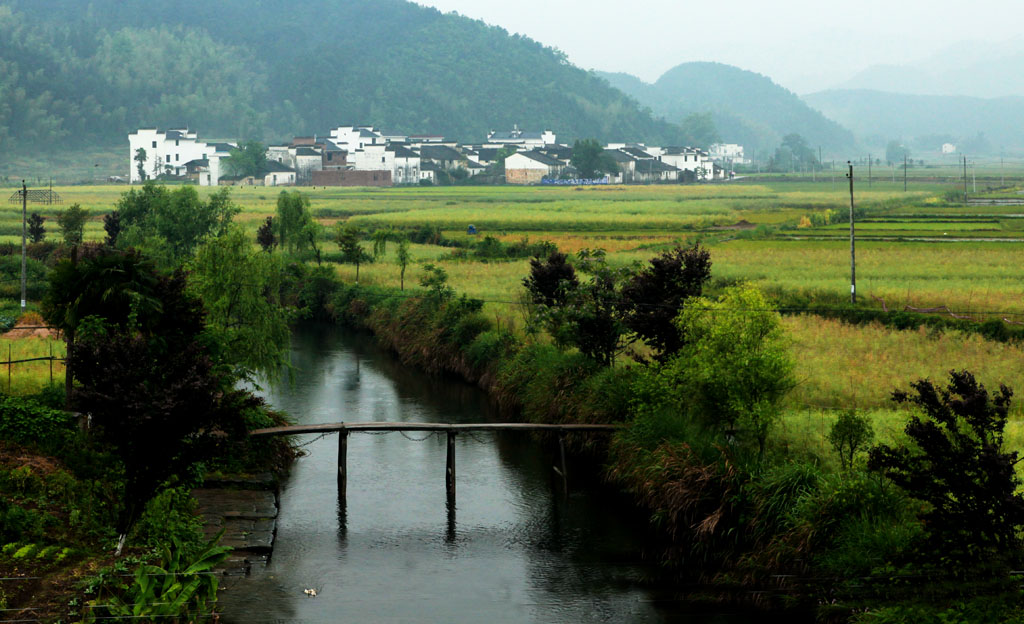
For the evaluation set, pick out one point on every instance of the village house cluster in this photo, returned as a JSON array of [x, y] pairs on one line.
[[367, 156]]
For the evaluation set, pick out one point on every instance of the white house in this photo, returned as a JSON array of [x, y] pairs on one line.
[[372, 157], [278, 174], [531, 167], [696, 161], [168, 152], [407, 164], [521, 138], [352, 138]]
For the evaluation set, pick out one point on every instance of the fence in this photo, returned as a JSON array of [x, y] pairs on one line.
[[10, 362]]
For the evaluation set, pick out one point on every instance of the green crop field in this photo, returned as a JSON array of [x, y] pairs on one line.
[[920, 248]]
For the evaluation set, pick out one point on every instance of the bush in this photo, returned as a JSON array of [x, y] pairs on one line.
[[27, 422]]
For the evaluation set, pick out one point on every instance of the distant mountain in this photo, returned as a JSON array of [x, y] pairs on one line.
[[747, 108], [926, 121], [82, 72], [975, 68]]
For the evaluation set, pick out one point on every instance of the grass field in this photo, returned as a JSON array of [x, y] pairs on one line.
[[752, 229]]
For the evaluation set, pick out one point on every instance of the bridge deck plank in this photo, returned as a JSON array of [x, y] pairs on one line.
[[411, 426]]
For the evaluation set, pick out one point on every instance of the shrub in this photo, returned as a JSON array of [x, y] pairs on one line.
[[27, 422]]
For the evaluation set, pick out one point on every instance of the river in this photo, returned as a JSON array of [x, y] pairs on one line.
[[513, 549]]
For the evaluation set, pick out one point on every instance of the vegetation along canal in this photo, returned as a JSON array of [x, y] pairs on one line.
[[512, 550]]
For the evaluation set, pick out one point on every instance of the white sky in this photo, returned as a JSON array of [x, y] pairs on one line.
[[804, 45]]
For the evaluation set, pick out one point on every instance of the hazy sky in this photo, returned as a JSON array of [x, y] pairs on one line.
[[802, 44]]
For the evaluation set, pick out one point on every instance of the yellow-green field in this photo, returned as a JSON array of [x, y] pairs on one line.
[[753, 231]]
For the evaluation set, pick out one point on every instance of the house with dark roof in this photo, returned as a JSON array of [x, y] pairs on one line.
[[531, 167], [278, 174], [446, 157]]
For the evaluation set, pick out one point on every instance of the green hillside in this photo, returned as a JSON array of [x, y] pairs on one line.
[[976, 125], [75, 73], [747, 108]]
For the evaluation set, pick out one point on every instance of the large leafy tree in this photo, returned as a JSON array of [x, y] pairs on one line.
[[590, 159], [352, 251], [239, 286], [170, 225], [655, 295], [72, 224], [955, 462], [550, 281], [293, 217], [249, 159], [735, 362]]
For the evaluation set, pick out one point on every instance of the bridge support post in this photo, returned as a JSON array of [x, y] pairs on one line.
[[449, 476], [342, 464], [565, 473]]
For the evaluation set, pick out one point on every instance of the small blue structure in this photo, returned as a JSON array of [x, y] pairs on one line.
[[471, 229]]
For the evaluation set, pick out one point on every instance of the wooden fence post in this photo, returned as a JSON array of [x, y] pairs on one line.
[[449, 477], [51, 363]]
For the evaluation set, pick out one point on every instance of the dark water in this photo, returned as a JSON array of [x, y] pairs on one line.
[[513, 549]]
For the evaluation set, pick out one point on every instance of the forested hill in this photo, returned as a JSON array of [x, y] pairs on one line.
[[80, 73], [747, 108]]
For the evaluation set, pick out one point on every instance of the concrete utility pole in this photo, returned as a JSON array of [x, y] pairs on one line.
[[24, 219], [904, 172], [965, 179], [853, 258]]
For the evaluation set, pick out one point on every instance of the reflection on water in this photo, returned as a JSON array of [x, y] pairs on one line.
[[512, 548]]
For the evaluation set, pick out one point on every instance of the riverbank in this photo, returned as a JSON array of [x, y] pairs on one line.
[[766, 524]]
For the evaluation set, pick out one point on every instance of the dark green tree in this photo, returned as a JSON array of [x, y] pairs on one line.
[[348, 239], [249, 159], [590, 159], [140, 162], [112, 226], [72, 224], [957, 464], [36, 230], [654, 296], [265, 235]]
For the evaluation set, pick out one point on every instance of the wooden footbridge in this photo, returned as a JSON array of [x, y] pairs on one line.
[[451, 429]]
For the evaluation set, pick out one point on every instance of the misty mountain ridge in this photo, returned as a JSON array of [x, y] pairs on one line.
[[747, 107], [983, 69], [927, 121], [87, 73]]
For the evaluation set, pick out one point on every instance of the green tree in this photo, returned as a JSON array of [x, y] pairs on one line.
[[435, 280], [849, 434], [140, 162], [249, 159], [312, 235], [735, 361], [955, 462], [265, 235], [699, 130], [170, 225], [72, 224], [352, 252], [293, 216], [36, 229], [402, 256], [895, 152], [590, 159], [239, 288]]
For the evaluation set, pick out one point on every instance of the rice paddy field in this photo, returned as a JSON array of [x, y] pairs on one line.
[[917, 248]]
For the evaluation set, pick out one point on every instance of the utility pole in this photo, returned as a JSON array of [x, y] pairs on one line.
[[904, 171], [974, 179], [24, 211], [853, 260], [965, 179], [833, 175], [869, 171]]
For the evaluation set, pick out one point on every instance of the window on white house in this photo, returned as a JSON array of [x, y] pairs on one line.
[[154, 143], [175, 142], [177, 157]]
